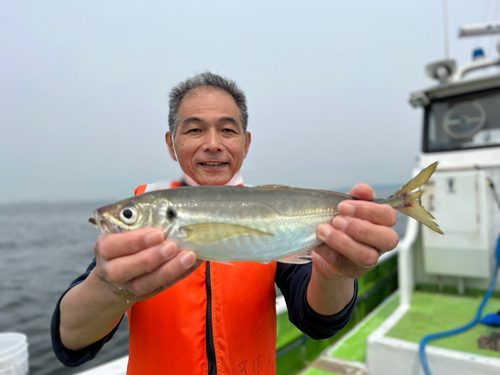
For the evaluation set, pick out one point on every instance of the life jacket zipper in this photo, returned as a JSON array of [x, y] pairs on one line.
[[212, 360]]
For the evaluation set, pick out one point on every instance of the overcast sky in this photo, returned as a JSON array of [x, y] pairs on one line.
[[84, 87]]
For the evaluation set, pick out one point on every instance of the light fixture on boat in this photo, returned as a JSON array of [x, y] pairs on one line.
[[419, 99], [441, 70]]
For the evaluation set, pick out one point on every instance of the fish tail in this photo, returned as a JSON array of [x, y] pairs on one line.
[[408, 202]]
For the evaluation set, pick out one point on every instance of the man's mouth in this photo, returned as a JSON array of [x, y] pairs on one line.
[[217, 164]]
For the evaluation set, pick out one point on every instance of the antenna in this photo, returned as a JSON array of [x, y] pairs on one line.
[[446, 41]]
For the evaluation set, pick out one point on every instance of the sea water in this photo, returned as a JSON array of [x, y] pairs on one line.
[[43, 248]]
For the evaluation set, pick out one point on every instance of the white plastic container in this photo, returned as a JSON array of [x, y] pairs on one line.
[[13, 354]]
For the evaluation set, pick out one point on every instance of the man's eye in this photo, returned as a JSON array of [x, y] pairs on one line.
[[193, 131], [228, 131]]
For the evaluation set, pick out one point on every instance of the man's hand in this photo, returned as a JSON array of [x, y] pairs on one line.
[[352, 245], [131, 267], [359, 235], [140, 264]]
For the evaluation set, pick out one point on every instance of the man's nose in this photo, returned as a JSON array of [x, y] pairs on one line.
[[213, 141]]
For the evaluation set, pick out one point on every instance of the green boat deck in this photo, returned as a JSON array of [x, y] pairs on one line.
[[433, 312], [429, 313], [295, 351]]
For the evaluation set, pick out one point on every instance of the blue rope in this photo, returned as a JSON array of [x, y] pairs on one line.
[[455, 331]]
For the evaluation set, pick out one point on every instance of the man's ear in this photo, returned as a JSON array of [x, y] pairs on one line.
[[170, 143], [248, 140]]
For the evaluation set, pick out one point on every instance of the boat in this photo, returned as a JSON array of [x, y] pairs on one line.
[[444, 281]]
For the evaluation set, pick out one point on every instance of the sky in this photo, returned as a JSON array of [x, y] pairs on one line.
[[84, 88]]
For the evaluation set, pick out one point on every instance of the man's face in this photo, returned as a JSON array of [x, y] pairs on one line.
[[210, 144]]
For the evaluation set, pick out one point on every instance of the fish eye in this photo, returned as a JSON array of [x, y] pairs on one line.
[[171, 214], [129, 215]]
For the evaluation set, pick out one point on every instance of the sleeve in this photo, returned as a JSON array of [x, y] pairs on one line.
[[73, 358], [293, 280]]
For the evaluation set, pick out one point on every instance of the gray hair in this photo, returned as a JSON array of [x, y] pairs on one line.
[[203, 80]]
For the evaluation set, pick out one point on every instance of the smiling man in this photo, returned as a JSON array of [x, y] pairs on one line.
[[214, 319], [210, 140]]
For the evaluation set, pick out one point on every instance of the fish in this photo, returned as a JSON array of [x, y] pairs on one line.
[[260, 224]]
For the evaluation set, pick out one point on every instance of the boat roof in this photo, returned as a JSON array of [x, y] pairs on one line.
[[454, 88]]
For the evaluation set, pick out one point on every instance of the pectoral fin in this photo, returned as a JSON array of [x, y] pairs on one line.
[[204, 233], [300, 258]]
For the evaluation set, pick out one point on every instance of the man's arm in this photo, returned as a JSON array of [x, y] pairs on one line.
[[72, 358], [141, 262], [293, 280], [352, 245]]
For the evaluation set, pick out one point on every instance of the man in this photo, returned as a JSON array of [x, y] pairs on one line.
[[186, 319]]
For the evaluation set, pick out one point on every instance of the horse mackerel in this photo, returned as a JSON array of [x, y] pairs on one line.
[[261, 224]]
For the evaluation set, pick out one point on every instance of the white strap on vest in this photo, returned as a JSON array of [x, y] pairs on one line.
[[161, 185]]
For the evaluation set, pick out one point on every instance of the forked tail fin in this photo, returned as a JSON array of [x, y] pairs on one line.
[[408, 202]]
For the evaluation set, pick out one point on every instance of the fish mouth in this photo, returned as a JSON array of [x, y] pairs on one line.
[[103, 225]]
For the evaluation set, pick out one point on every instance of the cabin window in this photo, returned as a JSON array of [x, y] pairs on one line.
[[463, 122]]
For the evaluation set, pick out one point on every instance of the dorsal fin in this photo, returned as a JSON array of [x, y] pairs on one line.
[[272, 187]]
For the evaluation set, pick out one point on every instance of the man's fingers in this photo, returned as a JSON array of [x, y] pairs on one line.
[[363, 192], [381, 214], [361, 254], [122, 244], [125, 268], [378, 236], [332, 263], [358, 235], [166, 275]]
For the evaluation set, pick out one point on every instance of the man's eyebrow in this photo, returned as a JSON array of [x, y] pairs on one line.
[[229, 119], [190, 120]]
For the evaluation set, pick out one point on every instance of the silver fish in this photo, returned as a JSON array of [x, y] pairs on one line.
[[260, 224]]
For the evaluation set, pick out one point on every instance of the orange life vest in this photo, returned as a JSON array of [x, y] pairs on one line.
[[219, 320]]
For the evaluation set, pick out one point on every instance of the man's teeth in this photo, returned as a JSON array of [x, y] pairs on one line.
[[213, 164]]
